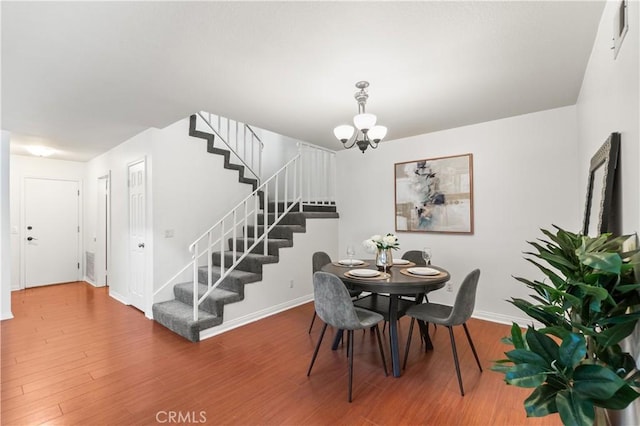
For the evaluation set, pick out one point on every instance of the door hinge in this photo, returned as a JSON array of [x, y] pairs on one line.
[[78, 265], [78, 192], [78, 228]]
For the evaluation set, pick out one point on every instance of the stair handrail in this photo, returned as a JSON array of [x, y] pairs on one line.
[[242, 158]]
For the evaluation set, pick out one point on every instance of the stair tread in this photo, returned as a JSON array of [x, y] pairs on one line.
[[265, 258], [184, 312], [216, 294], [236, 273], [294, 228]]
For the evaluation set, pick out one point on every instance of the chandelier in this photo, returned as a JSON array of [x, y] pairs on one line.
[[366, 133]]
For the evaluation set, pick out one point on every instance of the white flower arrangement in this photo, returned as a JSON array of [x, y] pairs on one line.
[[377, 242]]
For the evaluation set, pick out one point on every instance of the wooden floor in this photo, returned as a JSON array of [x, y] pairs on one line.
[[73, 355]]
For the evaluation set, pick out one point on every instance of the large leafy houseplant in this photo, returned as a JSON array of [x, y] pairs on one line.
[[588, 303]]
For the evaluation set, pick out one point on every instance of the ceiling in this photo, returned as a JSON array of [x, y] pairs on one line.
[[82, 77]]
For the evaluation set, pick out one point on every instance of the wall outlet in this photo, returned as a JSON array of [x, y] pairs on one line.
[[450, 287], [169, 233]]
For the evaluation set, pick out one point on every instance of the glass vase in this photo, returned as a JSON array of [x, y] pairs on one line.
[[384, 259]]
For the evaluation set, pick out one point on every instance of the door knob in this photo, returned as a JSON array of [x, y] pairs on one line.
[[31, 238], [140, 245]]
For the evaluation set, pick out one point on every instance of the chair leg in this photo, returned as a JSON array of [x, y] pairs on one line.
[[384, 361], [473, 348], [455, 358], [315, 353], [350, 353], [406, 349], [312, 321]]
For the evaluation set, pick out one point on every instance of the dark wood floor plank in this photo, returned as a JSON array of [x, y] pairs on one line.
[[73, 355]]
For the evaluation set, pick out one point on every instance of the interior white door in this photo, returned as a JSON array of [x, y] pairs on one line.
[[52, 231], [137, 227]]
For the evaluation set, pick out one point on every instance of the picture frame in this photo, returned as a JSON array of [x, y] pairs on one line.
[[598, 210], [435, 195]]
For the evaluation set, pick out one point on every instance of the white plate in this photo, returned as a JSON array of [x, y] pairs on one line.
[[400, 262], [423, 271], [364, 273], [349, 262]]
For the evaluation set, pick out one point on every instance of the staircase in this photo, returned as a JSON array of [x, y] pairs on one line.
[[226, 271]]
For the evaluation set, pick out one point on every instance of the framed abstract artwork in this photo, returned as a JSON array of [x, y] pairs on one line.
[[435, 195]]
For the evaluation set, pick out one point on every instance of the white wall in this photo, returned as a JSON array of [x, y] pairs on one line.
[[26, 166], [524, 178], [5, 240], [192, 192], [188, 190], [117, 161], [287, 283], [610, 102]]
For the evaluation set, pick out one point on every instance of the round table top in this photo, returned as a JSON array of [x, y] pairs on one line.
[[397, 283]]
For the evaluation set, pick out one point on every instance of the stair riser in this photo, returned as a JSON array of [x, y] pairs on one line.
[[247, 264], [229, 283], [213, 306], [288, 219], [306, 208], [273, 247], [277, 232]]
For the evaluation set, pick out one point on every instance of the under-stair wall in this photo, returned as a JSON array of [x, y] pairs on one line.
[[284, 284]]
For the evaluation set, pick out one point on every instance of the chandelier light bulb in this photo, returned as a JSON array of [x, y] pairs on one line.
[[377, 133], [364, 121], [344, 132]]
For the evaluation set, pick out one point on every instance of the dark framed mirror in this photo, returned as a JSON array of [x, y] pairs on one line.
[[598, 209]]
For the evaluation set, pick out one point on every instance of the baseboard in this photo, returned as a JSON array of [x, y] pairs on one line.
[[120, 298], [505, 319], [6, 316], [254, 316]]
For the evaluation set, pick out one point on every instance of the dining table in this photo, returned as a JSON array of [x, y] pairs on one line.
[[387, 289]]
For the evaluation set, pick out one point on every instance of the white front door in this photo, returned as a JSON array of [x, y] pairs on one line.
[[137, 232], [51, 231]]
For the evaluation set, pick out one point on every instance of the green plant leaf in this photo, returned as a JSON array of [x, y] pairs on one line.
[[626, 288], [596, 381], [605, 262], [620, 400], [526, 375], [572, 350], [598, 293], [537, 313], [574, 411], [541, 402], [499, 367], [615, 334], [542, 345], [516, 337], [525, 356]]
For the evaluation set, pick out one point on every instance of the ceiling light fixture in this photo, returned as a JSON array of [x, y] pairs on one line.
[[40, 151], [367, 133]]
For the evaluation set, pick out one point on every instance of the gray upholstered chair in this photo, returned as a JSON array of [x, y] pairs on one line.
[[335, 307], [449, 316], [318, 260], [414, 256]]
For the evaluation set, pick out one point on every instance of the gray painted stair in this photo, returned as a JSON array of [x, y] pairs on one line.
[[177, 314]]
